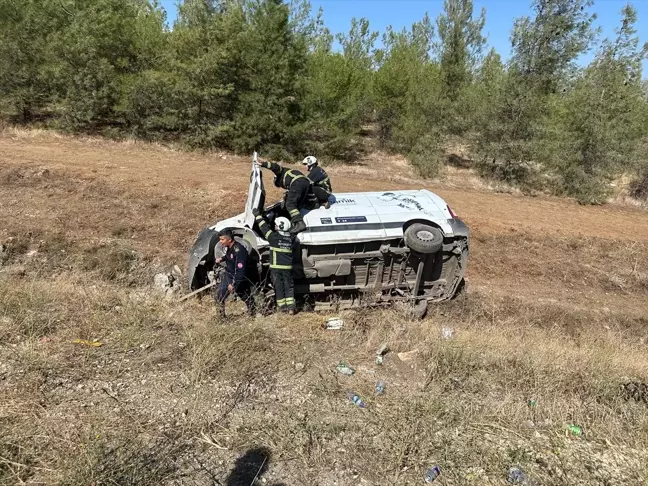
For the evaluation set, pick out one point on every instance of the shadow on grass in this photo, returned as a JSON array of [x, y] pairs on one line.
[[250, 467]]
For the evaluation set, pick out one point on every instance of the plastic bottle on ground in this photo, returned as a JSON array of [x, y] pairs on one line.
[[355, 398]]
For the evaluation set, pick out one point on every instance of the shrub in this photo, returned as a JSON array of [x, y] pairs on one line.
[[427, 156]]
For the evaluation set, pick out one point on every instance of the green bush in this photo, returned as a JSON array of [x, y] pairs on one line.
[[427, 156]]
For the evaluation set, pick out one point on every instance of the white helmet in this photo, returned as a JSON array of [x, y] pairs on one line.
[[282, 224], [310, 161]]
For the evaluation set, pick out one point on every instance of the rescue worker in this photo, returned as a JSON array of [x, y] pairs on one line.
[[282, 245], [298, 187], [233, 280], [319, 179]]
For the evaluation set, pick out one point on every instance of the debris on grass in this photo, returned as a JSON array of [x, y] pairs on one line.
[[334, 324], [408, 355], [166, 283], [94, 344], [447, 333], [518, 476], [344, 369], [529, 424], [355, 398], [575, 430], [432, 474]]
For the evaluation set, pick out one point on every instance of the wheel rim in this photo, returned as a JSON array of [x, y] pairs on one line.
[[425, 235]]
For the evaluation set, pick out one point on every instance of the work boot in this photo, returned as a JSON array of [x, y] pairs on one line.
[[291, 312], [297, 226]]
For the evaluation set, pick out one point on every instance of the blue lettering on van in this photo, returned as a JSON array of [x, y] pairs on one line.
[[351, 219]]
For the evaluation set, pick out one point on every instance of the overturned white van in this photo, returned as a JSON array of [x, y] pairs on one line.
[[367, 248]]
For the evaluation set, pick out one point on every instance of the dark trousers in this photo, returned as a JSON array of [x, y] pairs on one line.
[[242, 290], [321, 194], [296, 198], [284, 287]]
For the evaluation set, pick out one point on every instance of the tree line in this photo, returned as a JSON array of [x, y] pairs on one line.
[[268, 75]]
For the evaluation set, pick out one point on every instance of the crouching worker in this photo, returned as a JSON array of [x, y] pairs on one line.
[[233, 279], [320, 180], [282, 244], [298, 187]]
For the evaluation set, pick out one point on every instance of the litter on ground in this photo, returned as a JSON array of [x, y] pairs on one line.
[[94, 344]]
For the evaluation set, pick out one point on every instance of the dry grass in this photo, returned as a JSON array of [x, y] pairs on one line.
[[210, 390], [555, 312]]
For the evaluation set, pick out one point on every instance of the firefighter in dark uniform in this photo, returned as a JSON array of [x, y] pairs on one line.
[[282, 245], [298, 187], [233, 280], [319, 179]]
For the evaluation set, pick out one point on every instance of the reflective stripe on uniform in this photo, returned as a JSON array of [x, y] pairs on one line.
[[293, 177], [281, 302], [294, 212], [325, 184], [274, 263], [281, 250], [289, 300], [261, 223]]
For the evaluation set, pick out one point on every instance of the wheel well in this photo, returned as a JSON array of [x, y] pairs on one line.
[[422, 221]]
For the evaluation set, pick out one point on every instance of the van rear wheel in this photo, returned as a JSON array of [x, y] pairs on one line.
[[423, 238]]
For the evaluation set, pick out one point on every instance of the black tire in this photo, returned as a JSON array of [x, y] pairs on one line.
[[423, 238]]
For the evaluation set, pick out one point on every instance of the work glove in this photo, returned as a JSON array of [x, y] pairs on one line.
[[256, 212], [264, 164]]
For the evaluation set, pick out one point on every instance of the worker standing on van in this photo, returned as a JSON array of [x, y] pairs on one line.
[[319, 179], [298, 187], [282, 245]]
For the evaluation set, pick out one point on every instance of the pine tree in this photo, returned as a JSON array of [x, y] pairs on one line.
[[400, 81], [489, 83], [103, 44], [409, 94], [460, 44], [333, 103], [203, 72], [269, 111], [546, 47], [544, 51], [26, 59], [594, 130]]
